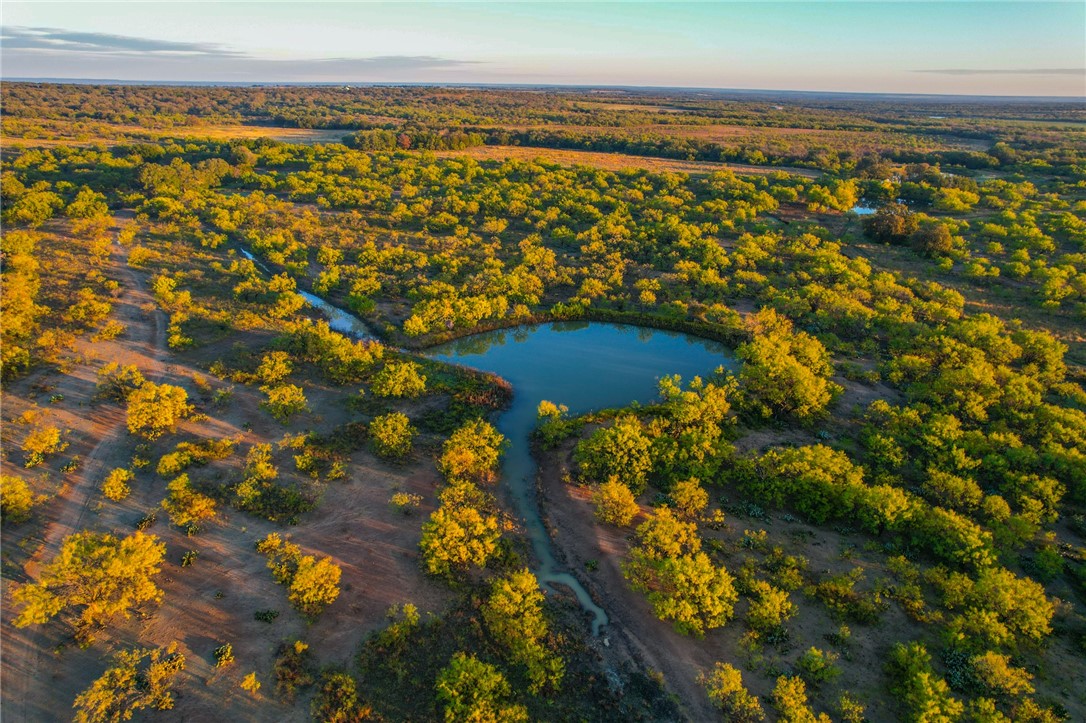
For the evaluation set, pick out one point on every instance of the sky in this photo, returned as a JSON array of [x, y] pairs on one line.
[[982, 47]]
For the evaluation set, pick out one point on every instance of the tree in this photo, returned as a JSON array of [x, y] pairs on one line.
[[472, 452], [275, 366], [622, 450], [284, 401], [514, 616], [42, 441], [399, 379], [689, 590], [115, 485], [188, 508], [337, 701], [94, 577], [392, 434], [139, 678], [893, 223], [456, 538], [690, 498], [925, 697], [313, 584], [790, 700], [154, 409], [785, 373], [16, 499], [615, 503], [471, 690], [770, 607], [932, 239], [726, 691]]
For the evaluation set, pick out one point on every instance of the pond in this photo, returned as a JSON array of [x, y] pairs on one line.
[[587, 366]]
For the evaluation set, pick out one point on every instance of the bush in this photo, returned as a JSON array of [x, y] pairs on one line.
[[42, 441], [224, 655], [115, 485], [399, 379], [154, 409], [471, 690], [284, 401], [16, 499], [817, 666], [138, 679], [615, 503], [725, 688], [391, 435], [622, 451]]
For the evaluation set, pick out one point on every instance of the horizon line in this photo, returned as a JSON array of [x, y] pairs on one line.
[[574, 86]]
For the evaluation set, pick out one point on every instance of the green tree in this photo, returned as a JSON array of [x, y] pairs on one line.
[[622, 450], [392, 434], [514, 617], [690, 498], [770, 607], [154, 409], [785, 373], [275, 366], [615, 503], [140, 678], [337, 700], [94, 577], [284, 401], [399, 379], [476, 692], [689, 590], [726, 691], [924, 696]]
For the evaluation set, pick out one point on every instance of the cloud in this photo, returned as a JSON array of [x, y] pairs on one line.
[[33, 52], [1005, 71], [69, 41]]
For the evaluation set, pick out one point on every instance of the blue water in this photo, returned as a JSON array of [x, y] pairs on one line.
[[586, 366]]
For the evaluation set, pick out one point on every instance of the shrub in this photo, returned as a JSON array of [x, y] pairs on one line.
[[42, 441], [471, 690], [154, 409], [399, 379], [138, 679], [224, 655], [115, 485], [16, 499], [817, 666], [770, 607], [615, 503], [725, 688], [391, 435], [284, 401], [622, 450], [404, 502]]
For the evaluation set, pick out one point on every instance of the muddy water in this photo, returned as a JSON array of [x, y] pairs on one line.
[[586, 366]]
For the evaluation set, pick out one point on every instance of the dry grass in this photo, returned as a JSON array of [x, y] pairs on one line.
[[616, 161]]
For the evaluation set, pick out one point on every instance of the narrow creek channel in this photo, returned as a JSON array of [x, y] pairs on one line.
[[586, 366]]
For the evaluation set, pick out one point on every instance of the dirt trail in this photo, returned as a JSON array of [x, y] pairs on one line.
[[24, 664], [634, 633], [147, 336]]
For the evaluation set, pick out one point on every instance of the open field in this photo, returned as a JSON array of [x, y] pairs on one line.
[[618, 161]]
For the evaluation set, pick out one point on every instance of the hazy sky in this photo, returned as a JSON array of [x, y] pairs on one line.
[[983, 47]]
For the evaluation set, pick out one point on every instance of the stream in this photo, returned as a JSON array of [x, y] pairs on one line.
[[586, 366]]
